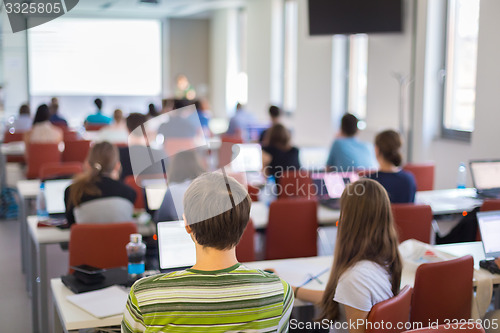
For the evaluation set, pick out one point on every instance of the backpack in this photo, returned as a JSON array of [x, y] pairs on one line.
[[8, 205]]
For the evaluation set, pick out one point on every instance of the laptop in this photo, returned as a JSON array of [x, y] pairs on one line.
[[155, 190], [175, 247], [313, 158], [331, 185], [486, 177], [54, 195], [247, 158], [489, 226]]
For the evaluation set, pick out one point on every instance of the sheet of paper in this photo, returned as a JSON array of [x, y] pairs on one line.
[[101, 303]]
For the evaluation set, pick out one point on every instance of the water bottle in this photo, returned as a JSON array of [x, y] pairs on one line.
[[136, 252], [462, 176], [41, 204], [268, 193]]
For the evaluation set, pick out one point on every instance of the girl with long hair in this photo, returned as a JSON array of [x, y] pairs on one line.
[[366, 265], [99, 181]]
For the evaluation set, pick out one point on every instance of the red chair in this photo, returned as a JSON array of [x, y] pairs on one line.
[[70, 135], [226, 149], [94, 127], [39, 154], [413, 221], [52, 170], [245, 250], [443, 291], [470, 328], [253, 191], [14, 137], [139, 199], [424, 175], [395, 310], [100, 245], [76, 151], [295, 184], [292, 229]]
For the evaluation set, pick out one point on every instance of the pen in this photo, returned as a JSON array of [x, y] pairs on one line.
[[314, 277]]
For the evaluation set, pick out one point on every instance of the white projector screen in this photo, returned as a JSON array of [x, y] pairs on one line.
[[95, 57]]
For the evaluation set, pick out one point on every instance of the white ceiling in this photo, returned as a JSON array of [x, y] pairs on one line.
[[165, 8]]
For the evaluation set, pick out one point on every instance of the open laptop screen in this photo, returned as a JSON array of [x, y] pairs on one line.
[[489, 225], [54, 195], [176, 248], [333, 182], [248, 159], [485, 174]]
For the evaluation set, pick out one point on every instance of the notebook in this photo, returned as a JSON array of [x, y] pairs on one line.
[[176, 248], [102, 303], [489, 226]]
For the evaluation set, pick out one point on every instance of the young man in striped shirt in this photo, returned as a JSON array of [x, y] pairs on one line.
[[217, 294]]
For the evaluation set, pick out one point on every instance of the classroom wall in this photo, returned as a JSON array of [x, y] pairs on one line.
[[189, 50]]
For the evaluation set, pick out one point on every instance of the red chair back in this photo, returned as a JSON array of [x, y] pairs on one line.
[[413, 221], [76, 151], [253, 191], [70, 135], [450, 328], [295, 184], [139, 198], [424, 175], [12, 137], [94, 127], [394, 310], [226, 149], [39, 154], [245, 250], [443, 291], [100, 245], [53, 170], [292, 229]]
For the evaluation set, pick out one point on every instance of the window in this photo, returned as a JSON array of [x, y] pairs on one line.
[[358, 66], [290, 56], [460, 72]]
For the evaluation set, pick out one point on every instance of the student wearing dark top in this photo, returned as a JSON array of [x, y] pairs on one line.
[[96, 195], [275, 115], [400, 184], [279, 155]]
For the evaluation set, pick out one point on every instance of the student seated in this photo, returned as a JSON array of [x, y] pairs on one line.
[[217, 294], [42, 130], [23, 121], [55, 118], [182, 169], [366, 264], [275, 115], [117, 131], [399, 184], [96, 195], [239, 123], [98, 117], [279, 155], [347, 151]]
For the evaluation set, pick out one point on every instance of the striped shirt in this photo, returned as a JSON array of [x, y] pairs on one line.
[[235, 299]]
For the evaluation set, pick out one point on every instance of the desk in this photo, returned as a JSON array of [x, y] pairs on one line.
[[37, 274], [259, 212], [28, 191], [292, 270], [451, 201]]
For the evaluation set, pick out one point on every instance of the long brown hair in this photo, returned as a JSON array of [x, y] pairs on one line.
[[365, 232], [279, 137], [101, 161], [388, 143]]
